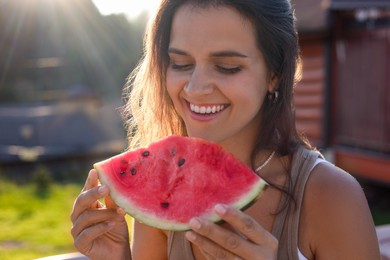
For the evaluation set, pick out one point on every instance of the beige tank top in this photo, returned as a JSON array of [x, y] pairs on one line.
[[286, 223]]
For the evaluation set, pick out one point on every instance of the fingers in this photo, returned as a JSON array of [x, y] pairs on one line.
[[94, 217], [89, 199], [82, 242], [209, 248], [91, 219], [110, 203], [246, 225], [92, 180], [89, 196], [86, 199], [217, 241], [251, 241]]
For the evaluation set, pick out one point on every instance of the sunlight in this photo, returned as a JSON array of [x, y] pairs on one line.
[[130, 8], [43, 37]]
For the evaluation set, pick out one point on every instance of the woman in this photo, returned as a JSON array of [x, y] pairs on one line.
[[224, 71]]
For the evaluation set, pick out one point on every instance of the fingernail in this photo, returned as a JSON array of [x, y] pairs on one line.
[[195, 223], [220, 209], [102, 189]]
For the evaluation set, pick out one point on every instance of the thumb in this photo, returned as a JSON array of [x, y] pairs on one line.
[[110, 203]]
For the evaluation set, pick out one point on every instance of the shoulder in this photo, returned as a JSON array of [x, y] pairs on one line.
[[328, 182], [336, 216], [334, 196]]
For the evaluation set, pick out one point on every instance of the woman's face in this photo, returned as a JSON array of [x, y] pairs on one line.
[[217, 77]]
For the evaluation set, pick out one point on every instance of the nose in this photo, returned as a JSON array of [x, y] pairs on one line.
[[200, 82]]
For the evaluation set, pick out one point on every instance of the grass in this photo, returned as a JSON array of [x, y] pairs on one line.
[[35, 223]]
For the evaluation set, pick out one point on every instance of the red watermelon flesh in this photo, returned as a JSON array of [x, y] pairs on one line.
[[177, 178]]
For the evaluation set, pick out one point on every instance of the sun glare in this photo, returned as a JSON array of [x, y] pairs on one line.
[[130, 8]]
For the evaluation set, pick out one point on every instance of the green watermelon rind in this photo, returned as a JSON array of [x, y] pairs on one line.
[[165, 224]]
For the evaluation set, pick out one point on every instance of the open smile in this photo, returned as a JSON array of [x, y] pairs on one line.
[[207, 109]]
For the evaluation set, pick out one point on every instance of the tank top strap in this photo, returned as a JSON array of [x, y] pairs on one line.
[[286, 224], [179, 248]]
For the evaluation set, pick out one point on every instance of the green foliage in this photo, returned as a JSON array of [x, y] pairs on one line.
[[42, 180], [33, 226]]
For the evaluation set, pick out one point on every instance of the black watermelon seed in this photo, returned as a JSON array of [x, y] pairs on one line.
[[133, 171], [165, 204], [173, 152], [181, 162], [123, 173], [145, 154]]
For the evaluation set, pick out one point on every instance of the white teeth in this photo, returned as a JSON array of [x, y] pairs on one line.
[[196, 109], [206, 110]]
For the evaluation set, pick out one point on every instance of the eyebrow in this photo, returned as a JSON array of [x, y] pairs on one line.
[[218, 54]]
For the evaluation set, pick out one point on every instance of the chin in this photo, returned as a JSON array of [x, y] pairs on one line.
[[202, 135], [206, 136]]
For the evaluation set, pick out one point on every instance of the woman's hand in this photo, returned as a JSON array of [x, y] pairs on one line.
[[99, 231], [250, 241]]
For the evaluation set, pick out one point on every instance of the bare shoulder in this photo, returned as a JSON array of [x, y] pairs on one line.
[[328, 182], [336, 219]]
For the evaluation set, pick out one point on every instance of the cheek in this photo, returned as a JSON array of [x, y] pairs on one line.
[[170, 91], [174, 88], [250, 89], [171, 85], [251, 101], [251, 96]]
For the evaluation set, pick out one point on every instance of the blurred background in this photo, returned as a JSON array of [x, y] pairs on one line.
[[63, 64]]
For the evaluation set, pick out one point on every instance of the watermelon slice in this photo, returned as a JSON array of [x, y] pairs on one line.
[[177, 178]]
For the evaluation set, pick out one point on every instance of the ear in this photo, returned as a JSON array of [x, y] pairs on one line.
[[272, 84]]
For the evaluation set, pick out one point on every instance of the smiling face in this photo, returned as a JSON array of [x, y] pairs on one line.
[[217, 77]]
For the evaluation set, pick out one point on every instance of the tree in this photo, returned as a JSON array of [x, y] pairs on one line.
[[48, 45]]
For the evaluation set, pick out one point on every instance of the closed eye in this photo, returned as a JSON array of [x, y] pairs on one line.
[[180, 67], [226, 70]]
